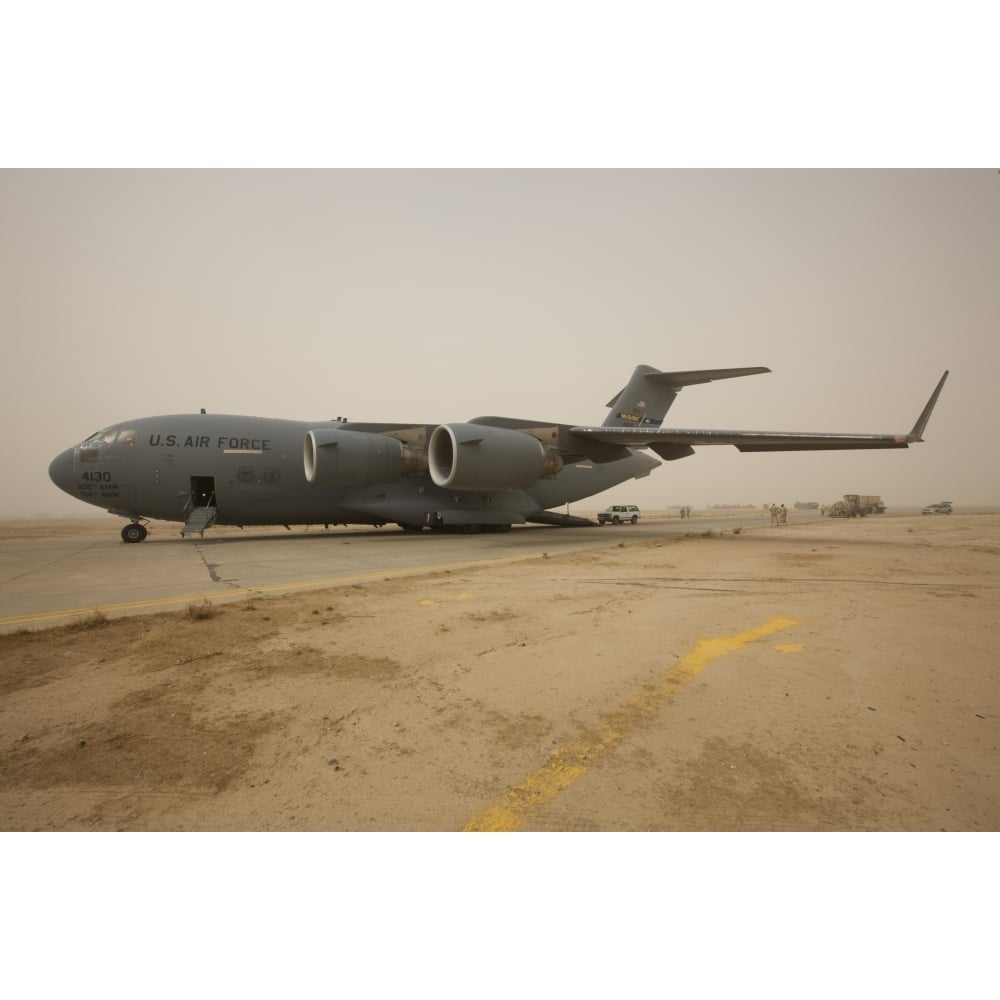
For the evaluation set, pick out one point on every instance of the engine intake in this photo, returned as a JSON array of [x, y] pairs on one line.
[[354, 458], [480, 457]]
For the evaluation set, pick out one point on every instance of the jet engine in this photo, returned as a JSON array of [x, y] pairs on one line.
[[354, 458], [479, 457]]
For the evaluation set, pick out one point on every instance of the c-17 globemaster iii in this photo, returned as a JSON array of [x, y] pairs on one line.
[[484, 475]]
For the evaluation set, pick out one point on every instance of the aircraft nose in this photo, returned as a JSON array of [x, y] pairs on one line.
[[61, 471]]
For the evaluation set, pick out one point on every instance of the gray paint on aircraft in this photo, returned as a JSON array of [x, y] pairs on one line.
[[484, 474]]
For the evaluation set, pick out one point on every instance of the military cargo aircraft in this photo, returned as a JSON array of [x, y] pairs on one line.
[[484, 475]]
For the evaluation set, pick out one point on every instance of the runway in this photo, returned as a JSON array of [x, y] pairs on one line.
[[48, 581], [831, 675]]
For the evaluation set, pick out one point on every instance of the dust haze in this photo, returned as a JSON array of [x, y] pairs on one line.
[[436, 295]]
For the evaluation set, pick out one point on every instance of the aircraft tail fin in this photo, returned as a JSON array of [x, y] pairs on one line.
[[917, 434], [650, 393]]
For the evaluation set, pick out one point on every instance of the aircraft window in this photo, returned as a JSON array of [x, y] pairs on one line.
[[108, 437], [100, 437]]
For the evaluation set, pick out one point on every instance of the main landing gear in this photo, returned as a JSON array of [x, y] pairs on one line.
[[134, 532], [458, 529]]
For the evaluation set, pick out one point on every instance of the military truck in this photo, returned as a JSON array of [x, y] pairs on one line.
[[856, 505]]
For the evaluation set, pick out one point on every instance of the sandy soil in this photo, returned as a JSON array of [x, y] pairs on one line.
[[839, 675]]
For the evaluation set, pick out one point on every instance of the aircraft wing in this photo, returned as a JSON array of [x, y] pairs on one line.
[[677, 443]]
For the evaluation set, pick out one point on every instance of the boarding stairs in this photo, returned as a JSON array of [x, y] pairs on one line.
[[198, 519]]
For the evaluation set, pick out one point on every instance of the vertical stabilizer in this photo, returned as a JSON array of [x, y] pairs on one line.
[[650, 393]]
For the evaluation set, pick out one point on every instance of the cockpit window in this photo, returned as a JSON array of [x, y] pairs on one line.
[[109, 436]]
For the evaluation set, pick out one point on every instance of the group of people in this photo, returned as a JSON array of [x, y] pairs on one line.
[[685, 511], [779, 515]]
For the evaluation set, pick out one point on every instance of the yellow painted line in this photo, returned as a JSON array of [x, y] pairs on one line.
[[274, 588], [430, 602], [566, 764]]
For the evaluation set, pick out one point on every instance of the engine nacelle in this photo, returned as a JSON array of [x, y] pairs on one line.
[[354, 458], [479, 457]]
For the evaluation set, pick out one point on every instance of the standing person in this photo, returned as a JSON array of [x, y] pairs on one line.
[[782, 515], [774, 513]]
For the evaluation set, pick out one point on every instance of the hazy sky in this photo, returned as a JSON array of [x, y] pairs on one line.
[[440, 295]]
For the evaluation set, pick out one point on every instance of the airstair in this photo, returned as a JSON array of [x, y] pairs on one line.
[[199, 518]]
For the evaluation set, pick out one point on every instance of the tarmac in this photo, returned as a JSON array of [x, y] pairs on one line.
[[53, 580]]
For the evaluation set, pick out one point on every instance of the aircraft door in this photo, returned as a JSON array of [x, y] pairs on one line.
[[203, 491]]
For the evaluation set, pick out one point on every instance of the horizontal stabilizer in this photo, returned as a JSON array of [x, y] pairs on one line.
[[677, 380]]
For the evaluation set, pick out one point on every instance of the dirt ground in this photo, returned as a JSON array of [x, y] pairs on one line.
[[838, 675]]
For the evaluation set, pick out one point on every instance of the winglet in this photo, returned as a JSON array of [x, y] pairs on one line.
[[917, 434]]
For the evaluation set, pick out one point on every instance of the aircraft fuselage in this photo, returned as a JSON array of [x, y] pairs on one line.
[[250, 471]]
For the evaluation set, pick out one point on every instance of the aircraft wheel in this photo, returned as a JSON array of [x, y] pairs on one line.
[[133, 533], [410, 527]]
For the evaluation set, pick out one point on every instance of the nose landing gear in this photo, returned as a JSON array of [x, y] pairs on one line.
[[134, 532]]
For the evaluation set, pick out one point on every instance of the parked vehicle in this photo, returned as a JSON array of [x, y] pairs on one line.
[[857, 505], [944, 507], [619, 514]]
